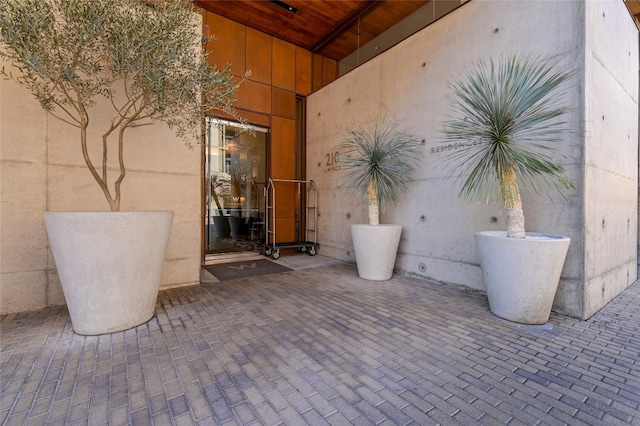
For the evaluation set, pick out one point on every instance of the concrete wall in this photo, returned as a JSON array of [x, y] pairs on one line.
[[610, 159], [409, 81], [413, 23], [42, 169]]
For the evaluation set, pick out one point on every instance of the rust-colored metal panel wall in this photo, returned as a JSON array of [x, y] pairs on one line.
[[282, 148], [259, 56], [270, 60], [229, 44], [283, 103], [285, 230], [285, 201], [257, 118], [254, 96], [285, 211], [283, 74], [329, 70], [282, 159], [279, 72], [303, 71], [316, 72]]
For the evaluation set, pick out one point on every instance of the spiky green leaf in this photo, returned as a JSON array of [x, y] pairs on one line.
[[509, 114], [383, 155]]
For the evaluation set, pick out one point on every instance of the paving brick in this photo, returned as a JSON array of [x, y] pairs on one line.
[[20, 404], [290, 416], [119, 416], [623, 412], [98, 413], [557, 404], [300, 348], [158, 403], [322, 405], [268, 415], [163, 418], [369, 411], [78, 412], [178, 405], [244, 413], [274, 397], [59, 409]]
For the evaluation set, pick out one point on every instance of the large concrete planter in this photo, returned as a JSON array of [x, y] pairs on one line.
[[110, 265], [521, 274], [375, 248]]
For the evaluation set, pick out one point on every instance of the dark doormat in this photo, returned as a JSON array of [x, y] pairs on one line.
[[249, 268]]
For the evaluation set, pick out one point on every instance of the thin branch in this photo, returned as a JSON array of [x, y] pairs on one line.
[[64, 120], [105, 148], [61, 87], [150, 123]]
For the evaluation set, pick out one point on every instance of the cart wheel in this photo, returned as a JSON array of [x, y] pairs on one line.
[[276, 254], [267, 251], [312, 251], [303, 249]]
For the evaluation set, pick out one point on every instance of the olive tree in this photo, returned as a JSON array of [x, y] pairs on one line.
[[143, 57]]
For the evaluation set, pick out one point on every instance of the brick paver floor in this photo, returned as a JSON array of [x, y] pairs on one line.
[[322, 347]]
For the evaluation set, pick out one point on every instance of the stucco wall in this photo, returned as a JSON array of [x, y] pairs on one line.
[[42, 169], [410, 82]]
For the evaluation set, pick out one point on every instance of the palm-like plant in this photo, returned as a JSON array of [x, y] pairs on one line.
[[379, 161], [506, 122]]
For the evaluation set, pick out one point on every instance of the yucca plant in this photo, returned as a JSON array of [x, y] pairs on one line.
[[379, 162], [506, 124]]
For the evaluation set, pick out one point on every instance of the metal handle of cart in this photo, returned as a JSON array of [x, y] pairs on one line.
[[310, 245]]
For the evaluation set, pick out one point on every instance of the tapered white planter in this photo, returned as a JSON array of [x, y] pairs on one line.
[[375, 248], [110, 265], [521, 274]]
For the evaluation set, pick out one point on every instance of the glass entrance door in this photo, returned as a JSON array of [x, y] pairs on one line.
[[235, 177]]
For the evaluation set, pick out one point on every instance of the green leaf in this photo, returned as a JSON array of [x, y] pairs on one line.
[[508, 114], [382, 155]]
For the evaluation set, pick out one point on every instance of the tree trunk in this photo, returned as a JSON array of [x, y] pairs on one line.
[[512, 203], [374, 210], [114, 204]]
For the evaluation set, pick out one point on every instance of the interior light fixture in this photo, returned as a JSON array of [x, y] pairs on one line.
[[284, 5]]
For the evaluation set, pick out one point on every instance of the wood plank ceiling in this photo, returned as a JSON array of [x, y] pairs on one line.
[[331, 28], [634, 9]]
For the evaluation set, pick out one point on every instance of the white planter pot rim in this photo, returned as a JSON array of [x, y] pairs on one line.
[[529, 236], [382, 225]]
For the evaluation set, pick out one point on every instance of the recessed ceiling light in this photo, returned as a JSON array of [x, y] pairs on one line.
[[285, 6]]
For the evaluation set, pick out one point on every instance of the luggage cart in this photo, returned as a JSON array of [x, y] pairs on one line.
[[310, 245]]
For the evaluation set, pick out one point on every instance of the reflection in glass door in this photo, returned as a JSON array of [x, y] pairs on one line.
[[235, 177]]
